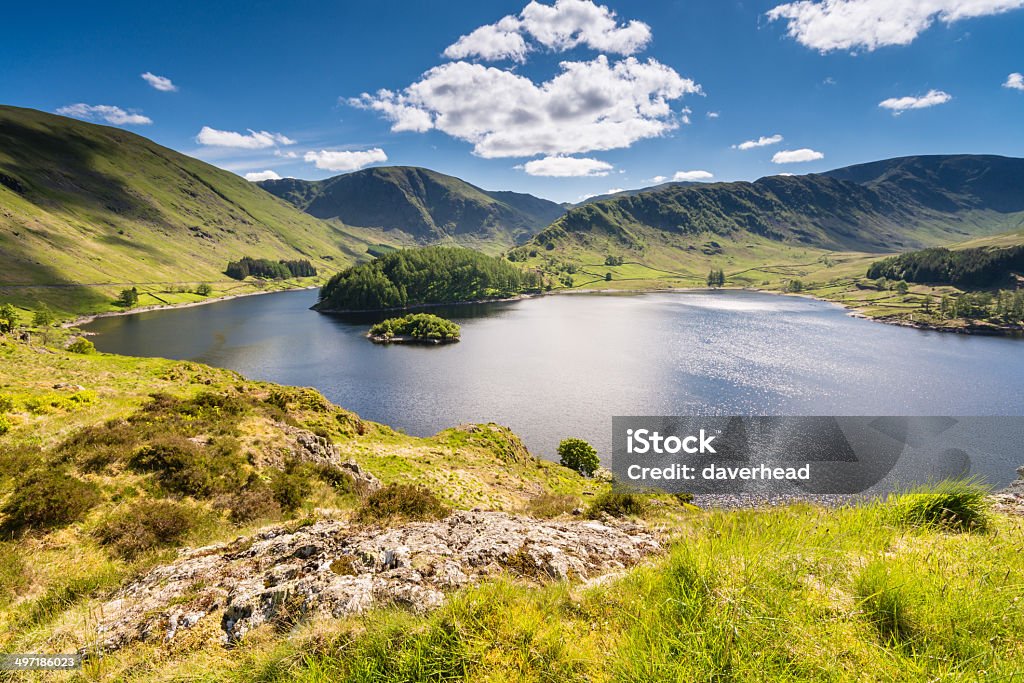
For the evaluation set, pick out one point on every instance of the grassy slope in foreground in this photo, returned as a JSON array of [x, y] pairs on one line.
[[793, 593], [88, 204]]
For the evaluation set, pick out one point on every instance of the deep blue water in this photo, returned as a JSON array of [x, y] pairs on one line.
[[563, 365]]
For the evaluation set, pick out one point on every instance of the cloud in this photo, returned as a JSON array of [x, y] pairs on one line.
[[713, 114], [796, 156], [159, 82], [869, 24], [492, 42], [1014, 81], [898, 105], [566, 167], [330, 160], [691, 176], [659, 179], [565, 25], [254, 140], [760, 142], [286, 154], [105, 112], [257, 176], [595, 105]]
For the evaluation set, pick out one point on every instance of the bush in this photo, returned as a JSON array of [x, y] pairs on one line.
[[290, 486], [952, 505], [204, 289], [48, 498], [6, 404], [255, 501], [401, 501], [551, 505], [5, 425], [617, 505], [184, 468], [577, 454], [145, 526], [82, 346]]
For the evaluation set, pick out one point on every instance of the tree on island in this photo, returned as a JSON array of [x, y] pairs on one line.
[[577, 454]]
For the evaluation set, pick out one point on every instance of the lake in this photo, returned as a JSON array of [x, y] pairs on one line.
[[563, 365]]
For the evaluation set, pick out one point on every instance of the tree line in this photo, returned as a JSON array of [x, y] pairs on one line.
[[426, 275], [964, 268], [269, 270]]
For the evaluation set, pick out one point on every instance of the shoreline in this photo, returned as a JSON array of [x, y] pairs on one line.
[[851, 310], [86, 319], [415, 307]]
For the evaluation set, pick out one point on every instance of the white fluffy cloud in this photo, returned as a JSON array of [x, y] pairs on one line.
[[595, 105], [796, 156], [899, 105], [713, 114], [691, 176], [659, 179], [105, 112], [562, 26], [161, 83], [257, 176], [587, 106], [828, 25], [253, 140], [1014, 81], [330, 160], [760, 142], [566, 167], [502, 40]]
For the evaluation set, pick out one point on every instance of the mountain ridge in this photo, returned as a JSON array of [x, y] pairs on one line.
[[902, 203], [424, 206]]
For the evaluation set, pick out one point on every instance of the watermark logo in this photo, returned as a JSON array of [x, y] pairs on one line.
[[802, 455]]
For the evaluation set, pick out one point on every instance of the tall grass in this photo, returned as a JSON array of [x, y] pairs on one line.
[[798, 593]]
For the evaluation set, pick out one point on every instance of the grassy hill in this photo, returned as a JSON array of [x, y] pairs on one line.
[[93, 205], [420, 206], [763, 234], [92, 497]]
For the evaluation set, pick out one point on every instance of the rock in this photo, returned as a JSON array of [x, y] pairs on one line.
[[309, 447], [364, 481], [331, 569], [64, 386]]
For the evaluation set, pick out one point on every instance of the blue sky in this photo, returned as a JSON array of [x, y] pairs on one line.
[[505, 94]]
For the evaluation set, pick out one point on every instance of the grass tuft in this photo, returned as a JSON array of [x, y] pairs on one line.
[[953, 505]]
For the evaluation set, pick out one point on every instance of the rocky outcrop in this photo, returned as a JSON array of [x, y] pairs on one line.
[[331, 569], [1011, 499]]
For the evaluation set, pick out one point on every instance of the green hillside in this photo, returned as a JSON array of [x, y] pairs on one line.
[[419, 206], [92, 205]]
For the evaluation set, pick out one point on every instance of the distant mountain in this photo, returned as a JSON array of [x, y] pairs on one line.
[[83, 203], [885, 206], [633, 193], [946, 183], [423, 206]]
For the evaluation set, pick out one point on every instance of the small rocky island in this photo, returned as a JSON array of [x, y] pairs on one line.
[[415, 328]]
